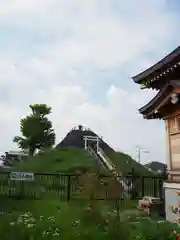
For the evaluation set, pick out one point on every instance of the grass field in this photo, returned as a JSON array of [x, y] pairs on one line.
[[77, 220], [51, 217]]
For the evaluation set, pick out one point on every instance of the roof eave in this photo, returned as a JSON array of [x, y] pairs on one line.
[[158, 101], [136, 79], [164, 61], [152, 117]]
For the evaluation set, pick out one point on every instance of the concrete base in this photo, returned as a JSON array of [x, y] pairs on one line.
[[172, 201]]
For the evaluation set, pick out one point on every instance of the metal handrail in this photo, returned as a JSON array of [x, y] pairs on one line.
[[92, 152], [103, 153], [113, 170], [116, 173]]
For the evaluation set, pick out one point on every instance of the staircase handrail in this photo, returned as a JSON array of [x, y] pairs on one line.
[[110, 162], [92, 152], [110, 166], [117, 173], [104, 159]]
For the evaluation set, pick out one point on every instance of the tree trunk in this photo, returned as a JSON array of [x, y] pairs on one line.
[[31, 151]]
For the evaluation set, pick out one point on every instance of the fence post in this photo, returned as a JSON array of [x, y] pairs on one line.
[[160, 188], [133, 191], [118, 210], [21, 190], [68, 187], [154, 187], [142, 186], [165, 174]]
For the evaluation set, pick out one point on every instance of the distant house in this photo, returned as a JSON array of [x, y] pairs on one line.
[[12, 158]]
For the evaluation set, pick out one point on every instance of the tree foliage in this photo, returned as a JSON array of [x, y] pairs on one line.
[[36, 130]]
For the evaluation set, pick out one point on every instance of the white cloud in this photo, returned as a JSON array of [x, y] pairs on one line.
[[76, 36]]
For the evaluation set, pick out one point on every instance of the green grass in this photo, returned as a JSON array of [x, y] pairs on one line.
[[73, 221], [59, 160], [125, 164], [72, 159]]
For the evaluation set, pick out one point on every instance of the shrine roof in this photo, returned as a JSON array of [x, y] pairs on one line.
[[153, 108], [159, 70]]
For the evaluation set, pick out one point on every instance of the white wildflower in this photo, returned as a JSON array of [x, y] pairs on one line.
[[45, 233], [19, 220], [52, 219], [12, 223], [75, 223], [56, 234], [32, 220], [30, 225]]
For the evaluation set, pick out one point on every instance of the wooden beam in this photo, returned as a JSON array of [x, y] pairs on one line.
[[169, 162]]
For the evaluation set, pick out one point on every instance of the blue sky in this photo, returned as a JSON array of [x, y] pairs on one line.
[[79, 56]]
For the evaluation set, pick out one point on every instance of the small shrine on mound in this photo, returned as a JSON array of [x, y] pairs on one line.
[[164, 77]]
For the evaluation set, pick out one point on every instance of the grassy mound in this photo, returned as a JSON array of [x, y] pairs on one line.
[[72, 159], [60, 160], [121, 160], [125, 164], [77, 160]]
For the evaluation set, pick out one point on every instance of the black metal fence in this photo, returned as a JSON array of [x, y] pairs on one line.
[[73, 187]]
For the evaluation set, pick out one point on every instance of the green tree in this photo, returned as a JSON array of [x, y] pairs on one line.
[[36, 129]]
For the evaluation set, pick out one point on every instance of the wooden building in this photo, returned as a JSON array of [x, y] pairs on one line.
[[164, 77]]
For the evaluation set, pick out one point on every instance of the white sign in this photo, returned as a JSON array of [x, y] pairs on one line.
[[22, 176]]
